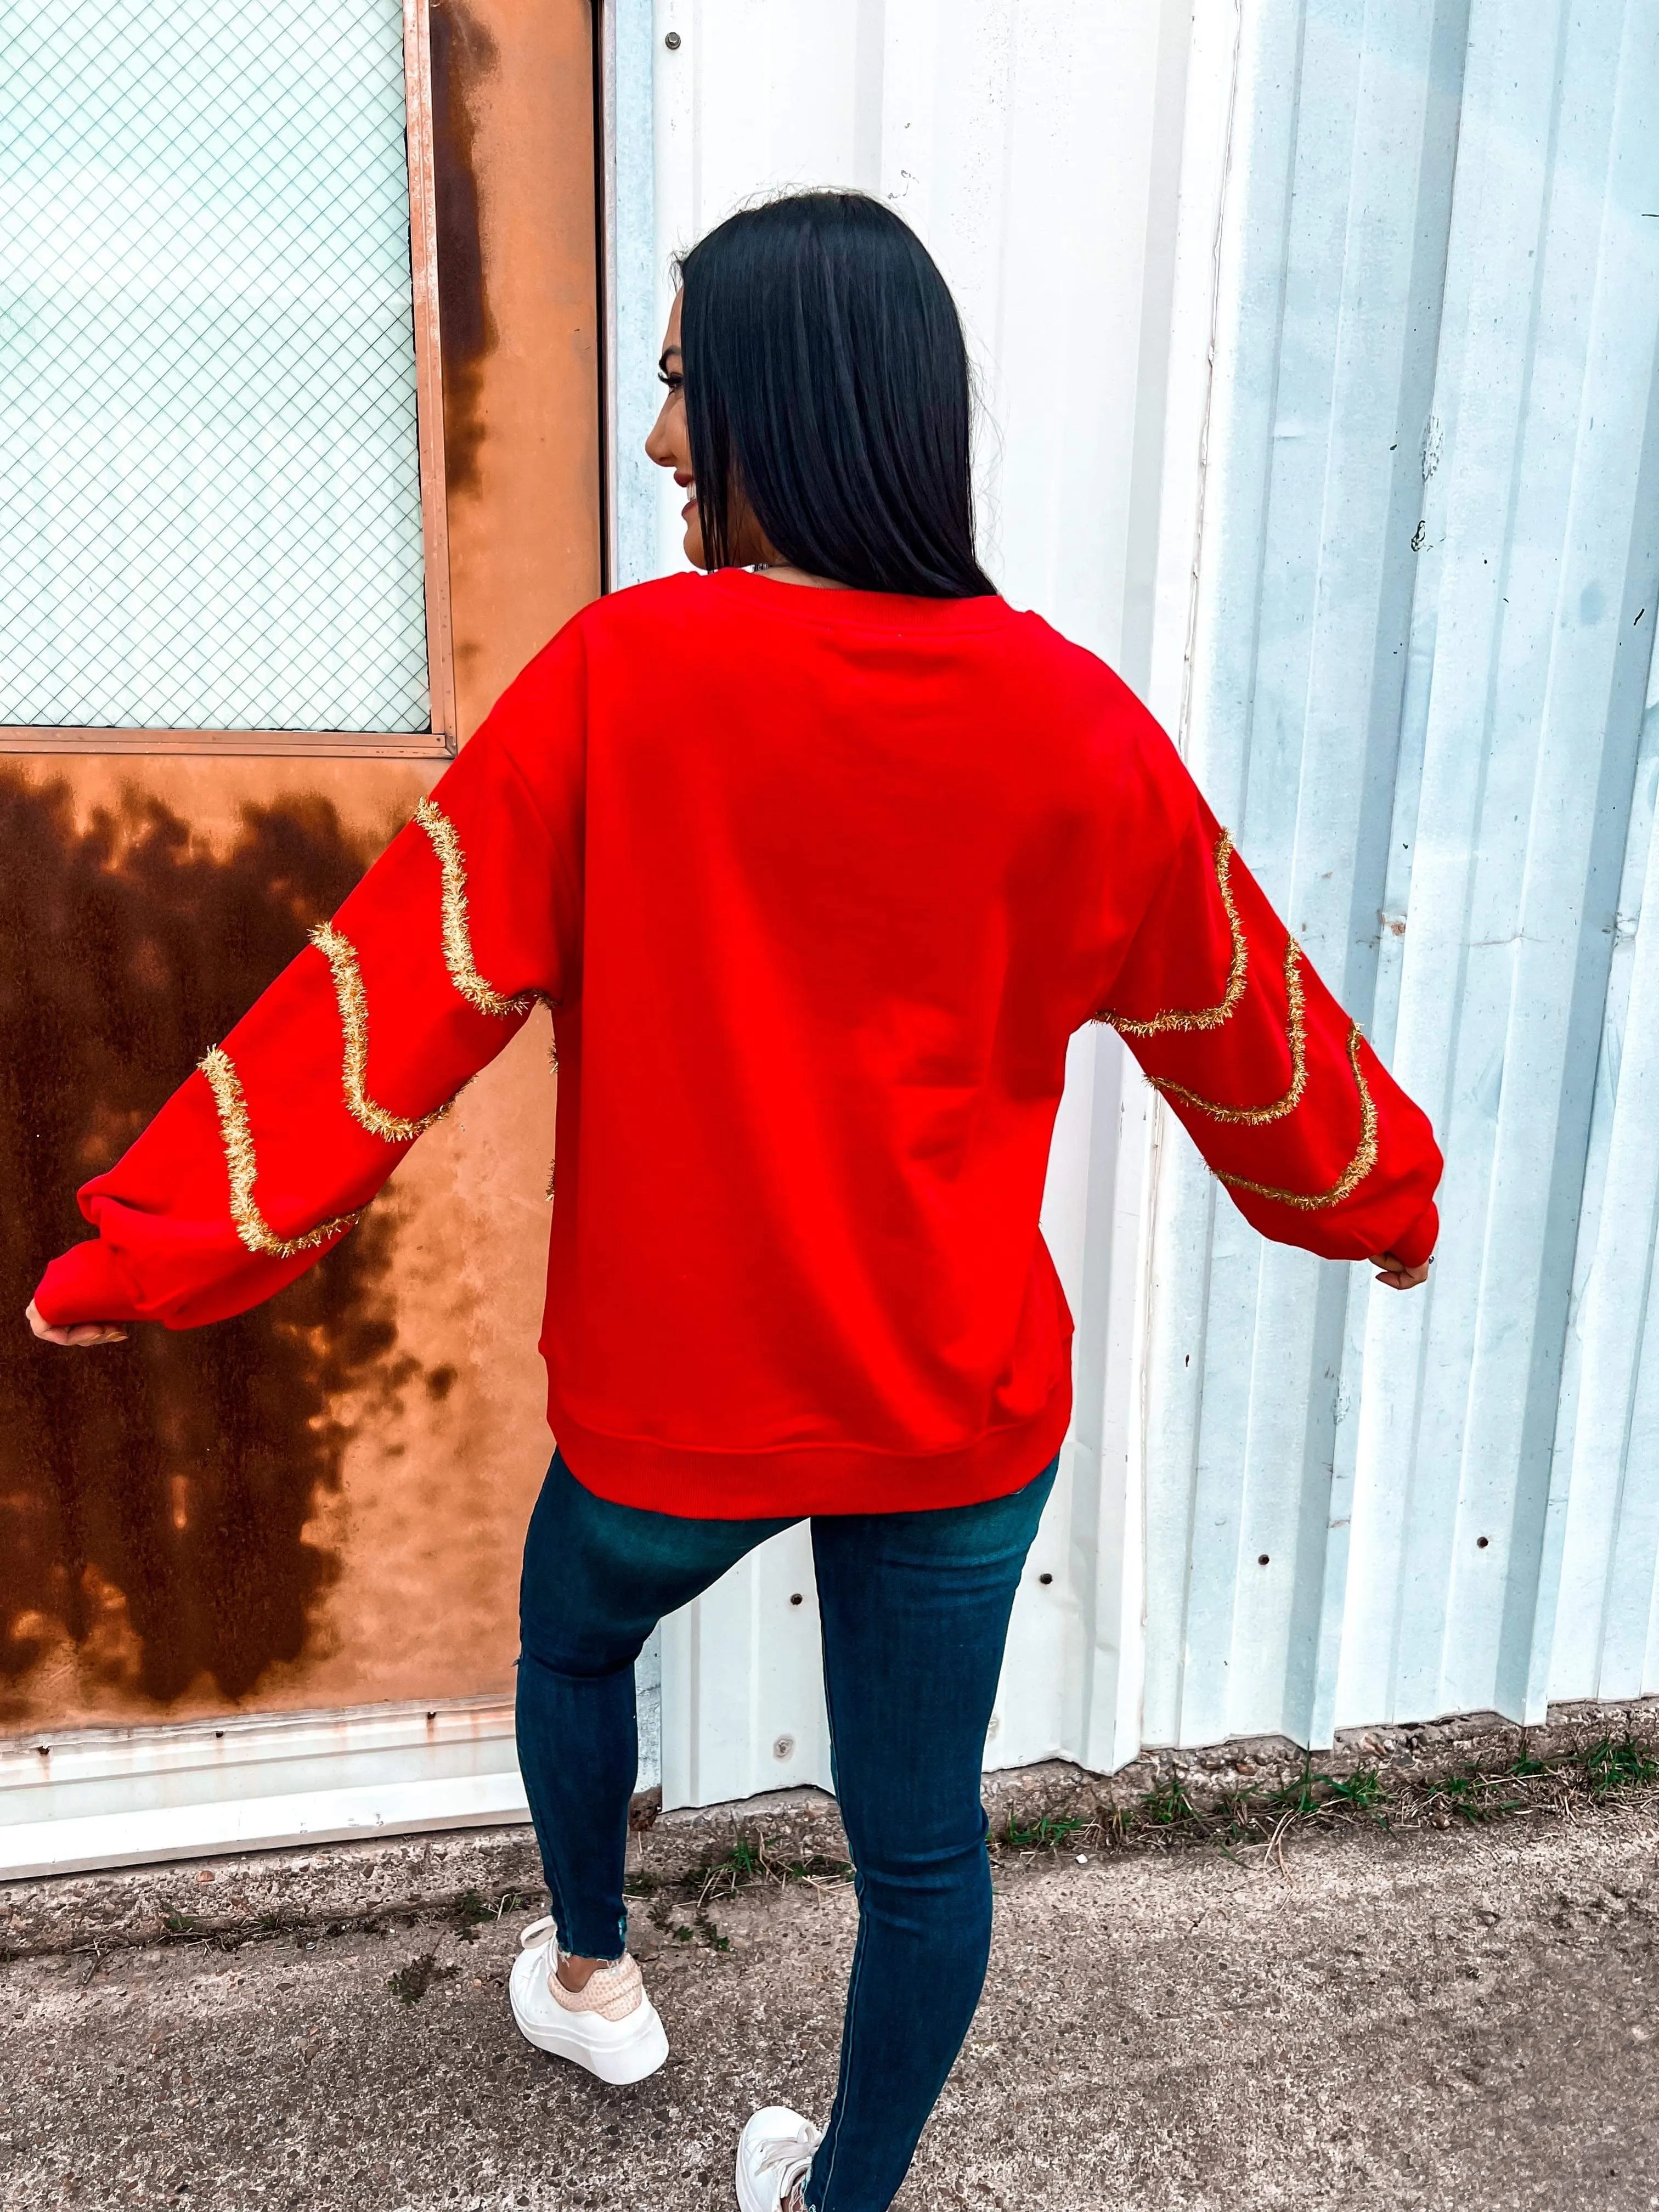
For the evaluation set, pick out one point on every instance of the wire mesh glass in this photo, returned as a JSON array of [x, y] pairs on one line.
[[210, 493]]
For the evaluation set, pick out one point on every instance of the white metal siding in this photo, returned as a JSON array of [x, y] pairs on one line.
[[1344, 453], [1036, 151], [1426, 599]]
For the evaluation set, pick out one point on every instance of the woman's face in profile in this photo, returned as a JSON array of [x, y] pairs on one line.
[[670, 448], [670, 442]]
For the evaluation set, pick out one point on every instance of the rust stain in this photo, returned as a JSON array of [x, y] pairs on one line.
[[518, 280], [154, 1498], [464, 54]]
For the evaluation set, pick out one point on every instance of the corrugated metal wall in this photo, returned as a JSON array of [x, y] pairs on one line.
[[1426, 606], [1318, 342], [1595, 1623]]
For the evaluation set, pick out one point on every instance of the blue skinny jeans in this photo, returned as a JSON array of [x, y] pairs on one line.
[[914, 1609]]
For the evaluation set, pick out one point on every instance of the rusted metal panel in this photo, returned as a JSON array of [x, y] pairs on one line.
[[319, 1506], [319, 1503]]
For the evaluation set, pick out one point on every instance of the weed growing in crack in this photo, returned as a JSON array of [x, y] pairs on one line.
[[411, 1983], [1524, 1765], [749, 1863], [473, 1912], [1371, 1796]]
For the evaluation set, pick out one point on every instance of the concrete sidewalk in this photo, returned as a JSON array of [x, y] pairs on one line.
[[1464, 2019]]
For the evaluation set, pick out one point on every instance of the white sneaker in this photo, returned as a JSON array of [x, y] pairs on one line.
[[775, 2152], [610, 2026]]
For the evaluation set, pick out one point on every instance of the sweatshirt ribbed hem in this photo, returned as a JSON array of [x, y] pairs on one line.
[[794, 1481]]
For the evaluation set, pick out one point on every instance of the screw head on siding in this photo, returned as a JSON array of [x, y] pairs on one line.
[[784, 1748], [672, 42]]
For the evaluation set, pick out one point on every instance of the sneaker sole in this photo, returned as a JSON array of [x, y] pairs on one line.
[[630, 2058], [749, 2196]]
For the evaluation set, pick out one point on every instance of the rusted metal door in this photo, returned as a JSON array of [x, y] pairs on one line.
[[314, 1509]]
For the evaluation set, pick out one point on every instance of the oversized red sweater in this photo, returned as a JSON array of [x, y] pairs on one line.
[[819, 885]]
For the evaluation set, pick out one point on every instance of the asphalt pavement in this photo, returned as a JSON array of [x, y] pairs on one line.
[[1464, 2019]]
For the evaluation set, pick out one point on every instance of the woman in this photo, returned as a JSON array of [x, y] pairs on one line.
[[819, 859]]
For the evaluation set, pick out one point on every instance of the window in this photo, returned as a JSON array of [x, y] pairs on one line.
[[210, 480]]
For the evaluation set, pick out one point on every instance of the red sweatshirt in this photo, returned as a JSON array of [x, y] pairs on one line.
[[817, 884]]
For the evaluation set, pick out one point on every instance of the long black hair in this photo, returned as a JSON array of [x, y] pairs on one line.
[[826, 376]]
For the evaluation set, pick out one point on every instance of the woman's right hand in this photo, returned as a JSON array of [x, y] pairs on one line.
[[79, 1332]]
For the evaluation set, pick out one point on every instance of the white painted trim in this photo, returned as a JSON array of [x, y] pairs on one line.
[[111, 1797]]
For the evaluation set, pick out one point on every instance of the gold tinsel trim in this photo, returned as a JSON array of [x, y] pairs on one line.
[[1203, 1018], [243, 1169], [1255, 1117], [1359, 1167], [458, 938], [342, 956]]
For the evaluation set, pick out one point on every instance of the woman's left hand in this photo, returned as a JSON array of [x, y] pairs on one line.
[[1395, 1273]]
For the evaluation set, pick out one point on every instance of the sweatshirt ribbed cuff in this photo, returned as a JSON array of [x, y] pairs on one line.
[[1420, 1241], [84, 1284]]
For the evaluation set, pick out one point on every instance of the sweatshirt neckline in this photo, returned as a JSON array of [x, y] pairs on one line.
[[825, 609]]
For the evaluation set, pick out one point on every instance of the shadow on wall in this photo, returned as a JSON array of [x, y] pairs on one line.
[[153, 1496]]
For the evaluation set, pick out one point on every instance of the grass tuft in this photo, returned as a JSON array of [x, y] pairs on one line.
[[1609, 1767], [1048, 1833], [1301, 1796], [1472, 1796], [1362, 1789], [1169, 1807]]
